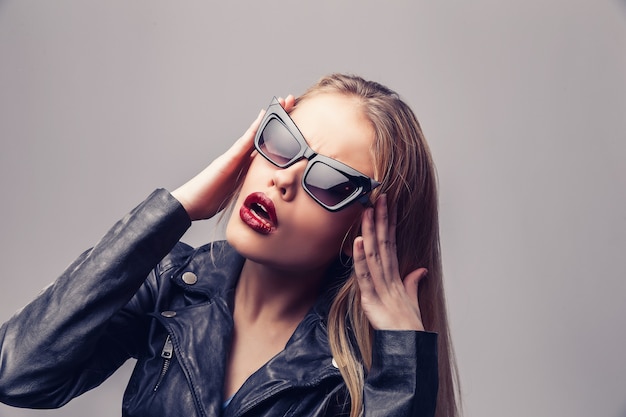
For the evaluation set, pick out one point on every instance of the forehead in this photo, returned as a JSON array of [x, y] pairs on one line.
[[334, 125]]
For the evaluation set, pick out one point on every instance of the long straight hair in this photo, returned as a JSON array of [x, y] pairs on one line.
[[404, 166]]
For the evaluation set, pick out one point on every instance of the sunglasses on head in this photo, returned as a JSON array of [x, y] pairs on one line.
[[333, 184]]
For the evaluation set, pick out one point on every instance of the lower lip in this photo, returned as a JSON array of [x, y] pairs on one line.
[[256, 224]]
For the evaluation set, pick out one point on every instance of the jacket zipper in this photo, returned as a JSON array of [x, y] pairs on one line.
[[167, 353]]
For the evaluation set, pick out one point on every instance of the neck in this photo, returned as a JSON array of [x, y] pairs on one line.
[[265, 294]]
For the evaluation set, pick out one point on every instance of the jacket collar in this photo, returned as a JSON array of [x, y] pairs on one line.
[[217, 265], [204, 331]]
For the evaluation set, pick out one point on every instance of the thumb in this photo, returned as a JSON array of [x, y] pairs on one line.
[[411, 282]]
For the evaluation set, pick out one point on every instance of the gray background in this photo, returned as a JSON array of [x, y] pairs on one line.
[[523, 103]]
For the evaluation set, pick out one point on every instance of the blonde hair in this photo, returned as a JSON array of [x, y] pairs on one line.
[[405, 168]]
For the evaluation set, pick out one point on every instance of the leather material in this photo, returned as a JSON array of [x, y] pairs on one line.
[[103, 310]]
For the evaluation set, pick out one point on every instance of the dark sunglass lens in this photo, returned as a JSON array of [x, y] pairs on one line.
[[330, 186], [277, 143]]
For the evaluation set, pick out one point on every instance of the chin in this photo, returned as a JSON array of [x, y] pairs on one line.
[[248, 243], [237, 235]]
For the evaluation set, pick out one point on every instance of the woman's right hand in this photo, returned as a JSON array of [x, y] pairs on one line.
[[203, 196]]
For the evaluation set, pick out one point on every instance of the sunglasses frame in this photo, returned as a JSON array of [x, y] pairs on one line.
[[364, 183]]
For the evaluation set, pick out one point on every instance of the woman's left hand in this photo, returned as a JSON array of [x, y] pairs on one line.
[[389, 301]]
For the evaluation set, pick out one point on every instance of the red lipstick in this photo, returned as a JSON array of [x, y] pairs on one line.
[[258, 213]]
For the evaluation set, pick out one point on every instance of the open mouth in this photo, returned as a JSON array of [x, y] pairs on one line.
[[258, 213]]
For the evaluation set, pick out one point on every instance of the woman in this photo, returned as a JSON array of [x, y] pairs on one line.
[[316, 305]]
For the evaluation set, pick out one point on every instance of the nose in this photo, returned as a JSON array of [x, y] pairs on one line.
[[287, 180]]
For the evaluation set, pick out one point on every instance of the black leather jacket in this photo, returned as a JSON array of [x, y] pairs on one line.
[[178, 324]]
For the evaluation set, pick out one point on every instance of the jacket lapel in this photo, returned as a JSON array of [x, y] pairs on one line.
[[201, 337], [306, 361], [202, 334]]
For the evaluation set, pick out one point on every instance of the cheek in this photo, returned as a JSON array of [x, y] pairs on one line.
[[258, 172], [332, 232]]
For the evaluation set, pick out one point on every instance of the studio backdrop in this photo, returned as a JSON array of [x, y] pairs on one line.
[[523, 104]]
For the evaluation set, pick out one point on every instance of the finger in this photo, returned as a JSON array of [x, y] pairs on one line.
[[362, 272], [382, 233], [393, 221], [290, 101], [386, 237], [370, 246], [245, 144], [254, 126]]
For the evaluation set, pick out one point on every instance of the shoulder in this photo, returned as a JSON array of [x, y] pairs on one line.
[[177, 256], [209, 269]]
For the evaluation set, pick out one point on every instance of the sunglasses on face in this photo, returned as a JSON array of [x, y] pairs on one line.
[[333, 184]]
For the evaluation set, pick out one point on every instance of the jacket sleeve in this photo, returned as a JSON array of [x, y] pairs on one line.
[[403, 381], [71, 337]]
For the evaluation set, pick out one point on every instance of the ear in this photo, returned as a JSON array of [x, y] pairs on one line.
[[347, 247], [351, 234]]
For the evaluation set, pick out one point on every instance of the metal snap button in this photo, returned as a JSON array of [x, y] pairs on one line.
[[168, 314], [334, 362], [190, 278]]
